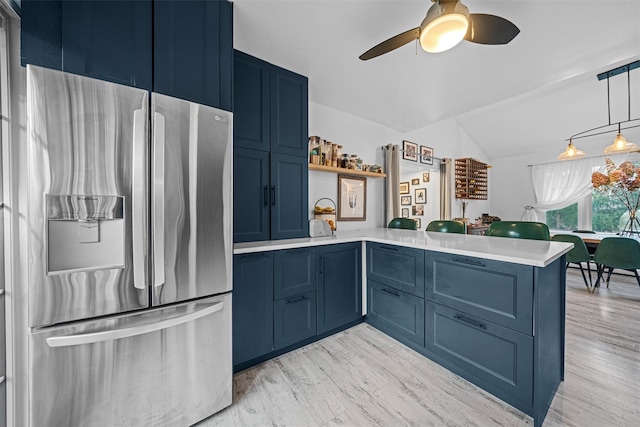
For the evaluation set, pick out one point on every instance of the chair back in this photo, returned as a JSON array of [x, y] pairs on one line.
[[584, 231], [519, 230], [448, 227], [579, 253], [405, 223], [618, 252]]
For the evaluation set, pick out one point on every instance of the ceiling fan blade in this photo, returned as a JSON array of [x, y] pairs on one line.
[[490, 29], [391, 44]]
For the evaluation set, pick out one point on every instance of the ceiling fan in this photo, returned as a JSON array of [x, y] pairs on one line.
[[446, 24]]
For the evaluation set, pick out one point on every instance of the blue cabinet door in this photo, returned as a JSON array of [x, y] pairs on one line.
[[396, 266], [500, 292], [106, 40], [251, 115], [40, 33], [289, 112], [193, 51], [294, 272], [339, 285], [496, 358], [252, 306], [289, 196], [294, 319], [396, 313], [251, 195]]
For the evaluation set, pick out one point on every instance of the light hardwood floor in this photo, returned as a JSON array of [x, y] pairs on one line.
[[361, 377]]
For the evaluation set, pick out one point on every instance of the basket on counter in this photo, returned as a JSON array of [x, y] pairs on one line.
[[326, 212]]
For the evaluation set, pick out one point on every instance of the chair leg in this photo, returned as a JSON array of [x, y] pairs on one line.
[[600, 271], [584, 277], [609, 276], [589, 269]]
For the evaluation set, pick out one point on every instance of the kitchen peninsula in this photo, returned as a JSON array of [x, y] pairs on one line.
[[488, 309]]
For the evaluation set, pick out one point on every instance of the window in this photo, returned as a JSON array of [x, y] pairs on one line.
[[597, 212]]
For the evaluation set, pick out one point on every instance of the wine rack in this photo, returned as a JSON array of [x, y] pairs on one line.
[[471, 179]]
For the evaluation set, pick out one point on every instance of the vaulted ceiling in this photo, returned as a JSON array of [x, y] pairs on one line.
[[523, 97]]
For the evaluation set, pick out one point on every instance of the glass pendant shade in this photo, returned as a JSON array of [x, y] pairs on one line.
[[620, 145], [444, 26], [571, 153]]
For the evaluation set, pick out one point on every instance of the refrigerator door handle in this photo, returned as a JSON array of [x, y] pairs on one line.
[[116, 334], [158, 198], [138, 199]]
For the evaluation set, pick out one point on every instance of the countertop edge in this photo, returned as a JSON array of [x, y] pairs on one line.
[[476, 246]]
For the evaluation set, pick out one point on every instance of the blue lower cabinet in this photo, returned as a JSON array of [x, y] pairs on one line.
[[339, 285], [396, 313], [396, 266], [492, 356], [294, 272], [252, 306], [294, 319], [500, 292]]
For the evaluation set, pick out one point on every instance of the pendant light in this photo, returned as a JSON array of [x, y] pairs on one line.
[[620, 144], [571, 152]]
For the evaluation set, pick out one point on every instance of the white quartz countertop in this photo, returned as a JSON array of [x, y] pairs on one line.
[[519, 251]]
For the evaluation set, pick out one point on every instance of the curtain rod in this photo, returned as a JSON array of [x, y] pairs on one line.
[[583, 158], [401, 150]]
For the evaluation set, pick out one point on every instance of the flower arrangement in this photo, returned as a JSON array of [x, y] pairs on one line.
[[622, 182]]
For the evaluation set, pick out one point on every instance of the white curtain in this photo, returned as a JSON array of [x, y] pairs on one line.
[[560, 184], [392, 193], [446, 184]]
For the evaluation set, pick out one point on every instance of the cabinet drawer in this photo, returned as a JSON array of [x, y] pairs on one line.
[[499, 292], [294, 272], [402, 268], [397, 313], [498, 356], [294, 319]]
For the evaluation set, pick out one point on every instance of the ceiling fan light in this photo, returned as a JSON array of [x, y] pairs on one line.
[[620, 145], [444, 26], [571, 153]]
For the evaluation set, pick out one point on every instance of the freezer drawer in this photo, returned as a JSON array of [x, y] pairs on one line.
[[164, 367]]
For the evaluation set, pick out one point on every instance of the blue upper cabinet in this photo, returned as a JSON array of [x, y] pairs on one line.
[[251, 102], [193, 50], [289, 112], [107, 40], [270, 120], [181, 48]]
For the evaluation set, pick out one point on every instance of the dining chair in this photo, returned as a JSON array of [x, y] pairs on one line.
[[617, 252], [519, 230], [452, 226], [405, 223], [577, 255]]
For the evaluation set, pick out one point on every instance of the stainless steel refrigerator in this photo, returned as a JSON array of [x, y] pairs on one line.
[[130, 251]]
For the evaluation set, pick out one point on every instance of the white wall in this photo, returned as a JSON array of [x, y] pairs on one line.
[[448, 139], [366, 139]]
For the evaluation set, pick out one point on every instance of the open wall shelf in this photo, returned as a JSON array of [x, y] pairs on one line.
[[322, 168]]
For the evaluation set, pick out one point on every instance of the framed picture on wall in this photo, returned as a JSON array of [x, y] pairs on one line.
[[415, 181], [426, 155], [418, 222], [417, 210], [405, 212], [405, 200], [352, 198], [404, 188], [425, 177], [409, 151], [421, 195]]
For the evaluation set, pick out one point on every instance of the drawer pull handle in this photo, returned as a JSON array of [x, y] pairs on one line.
[[390, 248], [469, 262], [291, 301], [394, 293], [470, 321]]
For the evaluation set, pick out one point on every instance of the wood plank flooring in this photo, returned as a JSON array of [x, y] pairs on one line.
[[361, 377]]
